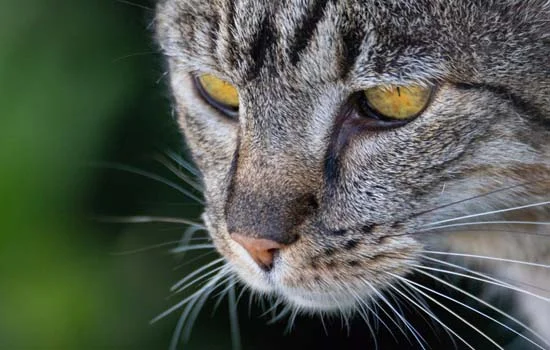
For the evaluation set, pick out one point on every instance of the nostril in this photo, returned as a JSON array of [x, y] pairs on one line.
[[261, 250], [309, 203]]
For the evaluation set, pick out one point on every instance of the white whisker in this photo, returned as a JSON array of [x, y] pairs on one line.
[[190, 232], [182, 162], [494, 308], [500, 283], [487, 258], [286, 309], [489, 213], [147, 220], [502, 222], [365, 315], [143, 7], [233, 317], [273, 308], [197, 308], [429, 313], [180, 285], [208, 285], [188, 261], [412, 285], [136, 171], [165, 162], [230, 284], [483, 275], [244, 288], [291, 320], [421, 341], [146, 249], [192, 247]]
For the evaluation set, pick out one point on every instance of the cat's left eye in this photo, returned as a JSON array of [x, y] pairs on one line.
[[394, 105], [218, 93]]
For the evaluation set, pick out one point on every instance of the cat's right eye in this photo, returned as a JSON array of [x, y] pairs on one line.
[[218, 93]]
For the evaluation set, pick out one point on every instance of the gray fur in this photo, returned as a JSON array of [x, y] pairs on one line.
[[487, 127]]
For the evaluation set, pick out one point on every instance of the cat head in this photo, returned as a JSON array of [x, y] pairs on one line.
[[315, 192]]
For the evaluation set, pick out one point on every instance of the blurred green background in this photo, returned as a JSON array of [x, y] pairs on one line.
[[80, 83]]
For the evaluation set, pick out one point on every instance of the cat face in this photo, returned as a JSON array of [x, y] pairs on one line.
[[314, 200]]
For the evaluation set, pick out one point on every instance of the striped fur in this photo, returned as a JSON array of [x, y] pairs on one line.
[[292, 165]]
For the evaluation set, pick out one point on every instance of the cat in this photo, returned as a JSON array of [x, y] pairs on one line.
[[347, 145]]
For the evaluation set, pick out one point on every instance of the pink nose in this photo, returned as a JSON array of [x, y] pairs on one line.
[[260, 249]]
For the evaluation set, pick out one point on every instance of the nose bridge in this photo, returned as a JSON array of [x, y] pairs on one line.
[[271, 193], [277, 122]]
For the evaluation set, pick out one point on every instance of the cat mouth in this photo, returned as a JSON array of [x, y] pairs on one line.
[[313, 300]]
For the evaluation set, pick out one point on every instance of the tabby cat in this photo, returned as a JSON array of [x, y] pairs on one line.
[[347, 145]]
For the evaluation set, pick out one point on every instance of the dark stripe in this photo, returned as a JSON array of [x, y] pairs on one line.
[[214, 34], [338, 140], [230, 178], [305, 31], [259, 49], [186, 25], [230, 25], [352, 38], [526, 108]]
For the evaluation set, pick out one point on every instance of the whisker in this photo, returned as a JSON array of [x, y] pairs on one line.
[[182, 162], [285, 311], [412, 285], [365, 304], [507, 188], [483, 275], [272, 308], [365, 316], [179, 326], [149, 175], [192, 247], [135, 54], [486, 223], [343, 315], [429, 313], [524, 233], [189, 233], [188, 261], [197, 309], [421, 300], [143, 7], [145, 249], [234, 318], [164, 161], [492, 307], [210, 283], [421, 341], [527, 263], [244, 288], [500, 284], [162, 76], [176, 287], [229, 284], [490, 213], [291, 320], [146, 220]]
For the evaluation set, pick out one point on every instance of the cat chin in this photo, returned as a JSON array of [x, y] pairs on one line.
[[319, 302], [307, 301]]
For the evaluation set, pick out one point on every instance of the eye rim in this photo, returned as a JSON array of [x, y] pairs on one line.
[[229, 111], [379, 121]]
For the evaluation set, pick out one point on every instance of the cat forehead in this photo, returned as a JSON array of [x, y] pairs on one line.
[[327, 40]]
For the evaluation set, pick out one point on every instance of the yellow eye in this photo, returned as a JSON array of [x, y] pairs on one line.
[[398, 102], [218, 92]]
